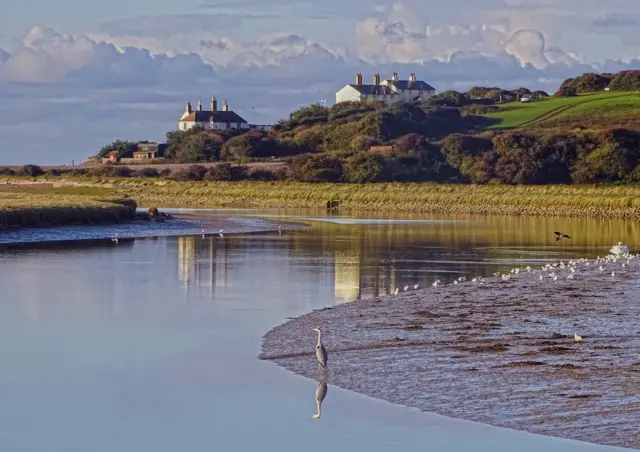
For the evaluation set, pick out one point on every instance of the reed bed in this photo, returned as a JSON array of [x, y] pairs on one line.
[[18, 209], [572, 201]]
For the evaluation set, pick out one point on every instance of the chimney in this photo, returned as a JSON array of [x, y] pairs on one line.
[[412, 77], [376, 79], [359, 79], [199, 106], [187, 107], [214, 104], [394, 77], [225, 106]]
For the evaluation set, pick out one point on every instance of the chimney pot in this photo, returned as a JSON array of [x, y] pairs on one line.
[[225, 106], [214, 104]]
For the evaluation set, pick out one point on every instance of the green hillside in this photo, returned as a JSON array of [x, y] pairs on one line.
[[554, 110]]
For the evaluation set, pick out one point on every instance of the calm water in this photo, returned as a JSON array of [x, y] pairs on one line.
[[151, 345]]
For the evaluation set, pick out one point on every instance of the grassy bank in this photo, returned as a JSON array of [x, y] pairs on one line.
[[549, 200], [34, 208], [574, 201]]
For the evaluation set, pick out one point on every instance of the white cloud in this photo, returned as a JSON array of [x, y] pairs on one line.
[[47, 56]]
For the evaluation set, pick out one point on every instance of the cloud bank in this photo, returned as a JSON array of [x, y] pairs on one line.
[[66, 95]]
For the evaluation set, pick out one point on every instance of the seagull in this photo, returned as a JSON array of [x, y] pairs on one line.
[[220, 232], [115, 238], [416, 286], [455, 283], [395, 292], [203, 231], [560, 236], [406, 288], [280, 229], [619, 250], [577, 338], [435, 284]]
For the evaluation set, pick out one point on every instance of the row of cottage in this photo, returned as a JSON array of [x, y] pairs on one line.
[[389, 91]]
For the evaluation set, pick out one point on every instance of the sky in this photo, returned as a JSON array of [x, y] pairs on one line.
[[76, 75]]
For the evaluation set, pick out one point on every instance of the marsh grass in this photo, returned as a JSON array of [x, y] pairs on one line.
[[39, 207], [580, 201]]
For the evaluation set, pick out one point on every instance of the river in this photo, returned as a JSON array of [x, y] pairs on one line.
[[152, 344]]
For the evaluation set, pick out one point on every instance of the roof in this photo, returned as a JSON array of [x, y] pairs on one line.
[[373, 89], [406, 84], [218, 116]]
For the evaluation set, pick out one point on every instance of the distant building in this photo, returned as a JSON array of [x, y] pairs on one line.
[[149, 151], [214, 119], [388, 91]]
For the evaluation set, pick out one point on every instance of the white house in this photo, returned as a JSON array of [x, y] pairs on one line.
[[388, 91], [214, 119]]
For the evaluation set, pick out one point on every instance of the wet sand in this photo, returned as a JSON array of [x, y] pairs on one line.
[[501, 352]]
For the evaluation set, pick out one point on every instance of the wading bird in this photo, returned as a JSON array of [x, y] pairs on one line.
[[560, 235], [321, 352], [321, 393], [577, 338]]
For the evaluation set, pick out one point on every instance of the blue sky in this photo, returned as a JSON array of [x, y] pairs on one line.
[[88, 73]]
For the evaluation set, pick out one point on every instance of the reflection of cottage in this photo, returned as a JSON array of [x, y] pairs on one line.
[[388, 91], [148, 151], [214, 119]]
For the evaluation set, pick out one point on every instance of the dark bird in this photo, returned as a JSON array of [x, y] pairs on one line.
[[560, 236]]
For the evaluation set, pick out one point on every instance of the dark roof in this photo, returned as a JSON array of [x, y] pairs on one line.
[[218, 116], [150, 147], [406, 84], [373, 89]]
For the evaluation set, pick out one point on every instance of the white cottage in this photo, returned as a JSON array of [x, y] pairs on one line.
[[388, 91], [214, 119]]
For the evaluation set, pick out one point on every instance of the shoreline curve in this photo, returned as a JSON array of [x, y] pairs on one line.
[[500, 353]]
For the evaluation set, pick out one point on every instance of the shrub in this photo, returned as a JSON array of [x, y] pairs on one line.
[[4, 171], [226, 172], [363, 168], [316, 168], [193, 172], [31, 171], [166, 173]]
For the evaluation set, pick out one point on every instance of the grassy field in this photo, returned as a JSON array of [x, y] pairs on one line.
[[587, 107]]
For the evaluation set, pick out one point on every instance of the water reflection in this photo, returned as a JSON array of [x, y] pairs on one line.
[[362, 261], [321, 393]]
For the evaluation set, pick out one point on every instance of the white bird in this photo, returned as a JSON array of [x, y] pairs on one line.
[[115, 238], [435, 284], [203, 232], [280, 229], [455, 283], [619, 250], [555, 277], [416, 286], [220, 232], [600, 268], [577, 338], [395, 292], [406, 288], [613, 274]]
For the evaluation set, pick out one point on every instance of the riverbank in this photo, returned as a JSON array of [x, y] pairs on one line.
[[18, 209], [500, 352], [611, 202]]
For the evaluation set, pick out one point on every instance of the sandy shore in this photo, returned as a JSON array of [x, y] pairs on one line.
[[500, 352]]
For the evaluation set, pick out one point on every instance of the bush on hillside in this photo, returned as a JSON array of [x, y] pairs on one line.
[[626, 81], [316, 168], [31, 171]]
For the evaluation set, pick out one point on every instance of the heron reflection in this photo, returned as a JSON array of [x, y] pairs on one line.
[[321, 393]]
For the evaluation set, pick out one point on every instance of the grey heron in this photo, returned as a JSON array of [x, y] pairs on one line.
[[321, 352], [321, 393], [561, 235]]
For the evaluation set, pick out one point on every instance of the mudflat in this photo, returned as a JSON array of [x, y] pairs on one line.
[[500, 352]]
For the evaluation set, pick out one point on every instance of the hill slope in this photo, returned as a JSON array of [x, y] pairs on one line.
[[584, 109]]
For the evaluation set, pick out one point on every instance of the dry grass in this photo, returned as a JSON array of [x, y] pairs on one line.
[[550, 200]]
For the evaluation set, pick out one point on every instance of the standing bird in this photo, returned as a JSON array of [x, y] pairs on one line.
[[577, 338], [115, 239], [321, 393], [560, 236], [321, 352], [220, 232]]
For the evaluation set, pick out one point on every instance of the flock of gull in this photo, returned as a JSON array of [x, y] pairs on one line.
[[618, 254]]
